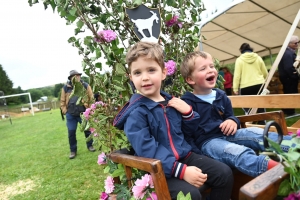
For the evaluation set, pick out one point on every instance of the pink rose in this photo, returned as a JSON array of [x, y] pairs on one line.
[[139, 190], [103, 196], [106, 36], [101, 159], [171, 67], [109, 185], [173, 21]]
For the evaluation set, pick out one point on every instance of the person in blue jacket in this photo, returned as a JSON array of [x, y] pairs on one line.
[[217, 132], [153, 121]]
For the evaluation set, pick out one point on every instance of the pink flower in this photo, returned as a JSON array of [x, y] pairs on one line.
[[86, 113], [293, 196], [92, 130], [109, 185], [173, 21], [106, 36], [100, 102], [96, 135], [153, 196], [101, 159], [93, 106], [171, 67], [298, 133], [139, 190], [103, 196]]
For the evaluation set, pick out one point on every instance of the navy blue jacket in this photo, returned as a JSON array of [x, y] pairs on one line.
[[285, 67], [211, 116], [154, 131]]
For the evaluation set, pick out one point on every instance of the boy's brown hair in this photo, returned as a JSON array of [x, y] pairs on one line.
[[149, 50], [188, 64]]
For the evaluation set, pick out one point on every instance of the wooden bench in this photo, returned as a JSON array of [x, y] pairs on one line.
[[274, 101], [245, 187]]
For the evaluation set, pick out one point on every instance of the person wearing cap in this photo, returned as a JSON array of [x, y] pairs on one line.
[[74, 119], [288, 75]]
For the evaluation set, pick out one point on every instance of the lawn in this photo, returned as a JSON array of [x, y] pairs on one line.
[[34, 161]]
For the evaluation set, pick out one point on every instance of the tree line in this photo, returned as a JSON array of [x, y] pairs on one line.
[[6, 86]]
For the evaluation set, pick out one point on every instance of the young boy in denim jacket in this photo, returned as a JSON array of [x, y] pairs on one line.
[[217, 134], [152, 121]]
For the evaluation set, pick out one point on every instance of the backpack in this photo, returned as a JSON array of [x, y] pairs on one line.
[[72, 108]]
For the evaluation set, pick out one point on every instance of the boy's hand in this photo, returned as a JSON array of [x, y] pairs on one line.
[[194, 176], [179, 105], [228, 127]]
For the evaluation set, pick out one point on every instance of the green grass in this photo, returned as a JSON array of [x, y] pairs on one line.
[[36, 148]]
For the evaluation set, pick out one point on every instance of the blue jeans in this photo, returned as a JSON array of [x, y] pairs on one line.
[[238, 150], [72, 122]]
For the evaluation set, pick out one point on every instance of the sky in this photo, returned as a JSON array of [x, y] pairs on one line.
[[34, 51]]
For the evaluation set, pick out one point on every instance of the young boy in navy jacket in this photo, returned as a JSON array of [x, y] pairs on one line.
[[217, 132], [153, 122]]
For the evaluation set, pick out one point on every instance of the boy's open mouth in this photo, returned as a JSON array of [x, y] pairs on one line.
[[210, 78]]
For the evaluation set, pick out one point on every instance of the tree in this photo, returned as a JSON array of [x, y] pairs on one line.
[[47, 91], [6, 85], [35, 94], [57, 89], [179, 34]]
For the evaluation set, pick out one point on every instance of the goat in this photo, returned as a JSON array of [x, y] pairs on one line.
[[142, 24]]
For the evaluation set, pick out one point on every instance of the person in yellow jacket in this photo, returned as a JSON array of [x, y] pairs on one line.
[[72, 111], [250, 73]]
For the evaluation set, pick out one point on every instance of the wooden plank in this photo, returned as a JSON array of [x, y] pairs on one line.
[[296, 124], [264, 186], [266, 101], [152, 166]]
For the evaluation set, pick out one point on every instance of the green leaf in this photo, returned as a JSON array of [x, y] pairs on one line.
[[98, 53], [71, 18], [98, 65], [293, 156], [197, 3], [79, 24], [106, 169], [181, 196], [94, 21], [71, 39], [73, 11], [120, 69], [168, 17], [137, 2], [275, 146], [119, 89], [117, 173], [284, 188]]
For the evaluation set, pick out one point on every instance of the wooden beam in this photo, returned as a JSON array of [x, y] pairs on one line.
[[266, 101], [264, 186]]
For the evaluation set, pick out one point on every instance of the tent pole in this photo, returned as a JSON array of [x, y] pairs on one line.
[[279, 56]]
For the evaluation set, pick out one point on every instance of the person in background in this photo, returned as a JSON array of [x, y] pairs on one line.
[[154, 121], [72, 111], [228, 81], [97, 96], [288, 75], [250, 74], [220, 81]]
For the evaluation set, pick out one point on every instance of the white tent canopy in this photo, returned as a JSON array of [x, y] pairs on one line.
[[264, 24]]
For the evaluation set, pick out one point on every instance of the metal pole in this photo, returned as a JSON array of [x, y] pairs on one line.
[[14, 95]]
